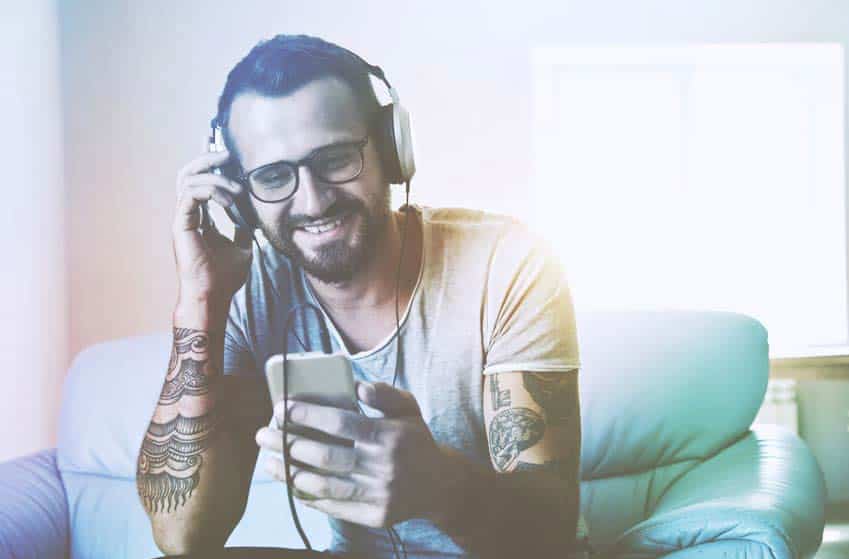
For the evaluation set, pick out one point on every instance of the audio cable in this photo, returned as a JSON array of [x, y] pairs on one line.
[[391, 529], [394, 538]]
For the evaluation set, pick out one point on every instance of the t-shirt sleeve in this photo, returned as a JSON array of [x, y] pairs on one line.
[[529, 317], [238, 356]]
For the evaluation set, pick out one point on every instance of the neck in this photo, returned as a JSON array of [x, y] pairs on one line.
[[374, 285]]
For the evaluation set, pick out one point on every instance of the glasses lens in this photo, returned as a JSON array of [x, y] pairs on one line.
[[338, 163], [274, 182]]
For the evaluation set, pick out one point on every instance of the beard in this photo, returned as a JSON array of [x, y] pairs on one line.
[[339, 260]]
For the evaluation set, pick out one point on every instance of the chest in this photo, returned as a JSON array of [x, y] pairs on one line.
[[363, 329]]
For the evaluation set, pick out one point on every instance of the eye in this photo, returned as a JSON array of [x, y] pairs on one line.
[[277, 175], [335, 159]]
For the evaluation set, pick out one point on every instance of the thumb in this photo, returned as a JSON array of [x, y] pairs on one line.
[[393, 402]]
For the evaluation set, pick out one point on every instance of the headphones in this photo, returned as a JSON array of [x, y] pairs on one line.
[[390, 125]]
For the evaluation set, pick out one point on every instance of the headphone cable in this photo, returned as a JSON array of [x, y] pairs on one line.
[[391, 529], [287, 467], [287, 462], [392, 533]]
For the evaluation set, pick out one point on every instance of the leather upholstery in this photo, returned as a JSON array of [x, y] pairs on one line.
[[669, 463]]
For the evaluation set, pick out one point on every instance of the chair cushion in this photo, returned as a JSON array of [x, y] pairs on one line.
[[108, 521], [661, 387]]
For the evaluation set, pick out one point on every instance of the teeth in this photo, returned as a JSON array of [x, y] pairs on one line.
[[316, 229]]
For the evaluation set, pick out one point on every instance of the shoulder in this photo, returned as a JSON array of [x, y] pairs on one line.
[[503, 244], [473, 229], [465, 219]]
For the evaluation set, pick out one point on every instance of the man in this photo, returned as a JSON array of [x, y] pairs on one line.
[[476, 451]]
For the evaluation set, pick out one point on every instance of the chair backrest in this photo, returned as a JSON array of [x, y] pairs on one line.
[[660, 392]]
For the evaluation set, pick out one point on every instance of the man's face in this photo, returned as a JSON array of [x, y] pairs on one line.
[[270, 129]]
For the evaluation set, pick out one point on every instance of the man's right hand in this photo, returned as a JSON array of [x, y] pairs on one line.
[[210, 267]]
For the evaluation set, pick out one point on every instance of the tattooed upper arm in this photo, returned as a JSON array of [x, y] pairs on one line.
[[533, 421]]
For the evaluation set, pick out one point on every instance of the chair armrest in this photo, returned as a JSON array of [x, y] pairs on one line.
[[764, 494], [33, 508]]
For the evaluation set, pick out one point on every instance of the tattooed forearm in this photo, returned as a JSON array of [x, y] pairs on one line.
[[500, 398], [551, 466], [511, 431], [190, 379], [170, 458], [553, 394]]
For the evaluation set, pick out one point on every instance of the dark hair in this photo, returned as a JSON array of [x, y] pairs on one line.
[[282, 64]]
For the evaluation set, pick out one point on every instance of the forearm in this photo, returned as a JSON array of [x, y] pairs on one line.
[[515, 514], [189, 457]]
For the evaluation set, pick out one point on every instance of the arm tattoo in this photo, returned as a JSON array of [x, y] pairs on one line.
[[170, 458], [512, 431], [552, 466], [500, 398], [551, 392]]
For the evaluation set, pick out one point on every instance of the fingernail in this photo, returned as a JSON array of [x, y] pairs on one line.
[[366, 389], [296, 413], [279, 410]]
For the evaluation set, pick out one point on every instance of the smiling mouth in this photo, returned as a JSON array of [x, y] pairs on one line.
[[322, 227]]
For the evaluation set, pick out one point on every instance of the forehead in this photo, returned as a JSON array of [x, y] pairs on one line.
[[267, 129]]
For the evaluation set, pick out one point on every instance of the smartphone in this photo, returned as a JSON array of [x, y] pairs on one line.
[[319, 378]]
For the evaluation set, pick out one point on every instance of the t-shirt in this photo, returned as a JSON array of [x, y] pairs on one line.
[[490, 297]]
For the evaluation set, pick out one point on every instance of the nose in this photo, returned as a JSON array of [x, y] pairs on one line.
[[312, 197]]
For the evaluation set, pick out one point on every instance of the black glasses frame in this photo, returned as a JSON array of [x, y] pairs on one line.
[[307, 162]]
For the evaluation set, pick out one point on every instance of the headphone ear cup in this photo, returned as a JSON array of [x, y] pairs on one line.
[[403, 134], [383, 128], [391, 125], [244, 217]]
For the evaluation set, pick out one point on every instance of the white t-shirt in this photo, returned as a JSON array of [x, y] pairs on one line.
[[490, 297]]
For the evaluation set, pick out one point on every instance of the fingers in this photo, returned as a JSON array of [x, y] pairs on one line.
[[393, 402], [187, 215], [196, 185], [202, 164], [334, 421], [205, 179], [321, 486], [197, 189], [356, 512], [330, 457], [332, 487]]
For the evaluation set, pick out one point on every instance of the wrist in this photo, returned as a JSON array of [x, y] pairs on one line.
[[200, 311], [456, 480]]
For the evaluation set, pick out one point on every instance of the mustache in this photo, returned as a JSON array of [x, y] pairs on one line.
[[339, 208]]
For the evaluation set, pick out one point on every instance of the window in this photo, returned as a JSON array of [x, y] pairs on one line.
[[702, 177]]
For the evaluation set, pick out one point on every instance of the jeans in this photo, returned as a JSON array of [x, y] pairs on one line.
[[258, 553]]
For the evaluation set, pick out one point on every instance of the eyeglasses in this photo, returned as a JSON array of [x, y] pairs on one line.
[[335, 164]]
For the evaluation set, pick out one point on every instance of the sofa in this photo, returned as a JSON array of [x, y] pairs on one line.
[[671, 465]]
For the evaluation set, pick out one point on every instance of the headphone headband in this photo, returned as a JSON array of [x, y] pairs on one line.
[[376, 71], [395, 149]]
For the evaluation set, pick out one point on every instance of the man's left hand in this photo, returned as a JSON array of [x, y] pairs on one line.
[[390, 474]]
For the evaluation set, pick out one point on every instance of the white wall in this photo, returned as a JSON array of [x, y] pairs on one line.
[[33, 317], [142, 79]]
